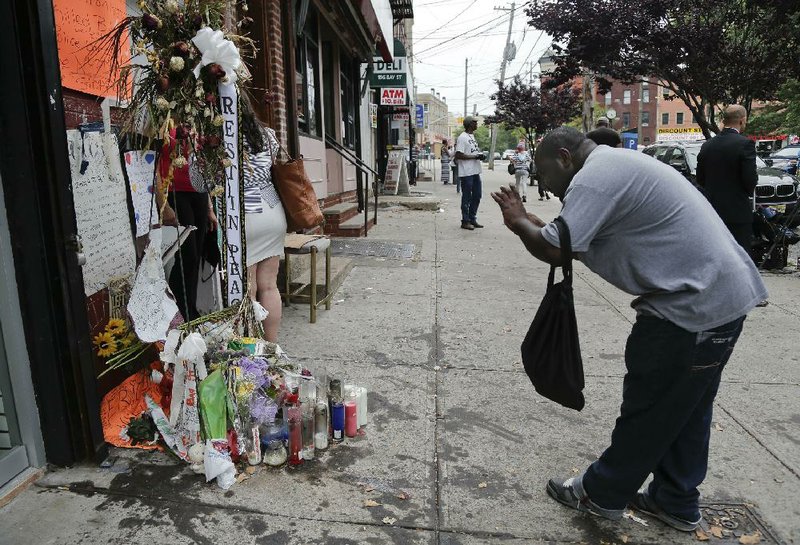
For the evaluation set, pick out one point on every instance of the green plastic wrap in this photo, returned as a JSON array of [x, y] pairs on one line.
[[213, 395]]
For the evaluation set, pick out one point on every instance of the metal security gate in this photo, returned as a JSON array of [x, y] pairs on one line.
[[13, 456]]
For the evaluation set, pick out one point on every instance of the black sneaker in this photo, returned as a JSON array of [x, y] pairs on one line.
[[570, 492], [644, 503], [524, 198], [477, 225], [467, 225]]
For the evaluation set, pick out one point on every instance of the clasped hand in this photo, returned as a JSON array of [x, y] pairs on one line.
[[512, 208]]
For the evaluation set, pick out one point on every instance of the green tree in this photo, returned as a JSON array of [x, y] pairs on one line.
[[708, 53], [780, 117]]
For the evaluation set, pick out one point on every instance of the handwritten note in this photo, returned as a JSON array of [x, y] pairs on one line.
[[79, 23], [101, 208], [140, 166]]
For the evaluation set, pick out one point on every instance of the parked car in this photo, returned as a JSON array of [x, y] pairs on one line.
[[497, 156], [775, 186], [508, 153], [785, 159]]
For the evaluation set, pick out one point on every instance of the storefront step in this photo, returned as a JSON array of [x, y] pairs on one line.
[[354, 227]]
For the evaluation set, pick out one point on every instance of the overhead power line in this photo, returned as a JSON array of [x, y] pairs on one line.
[[499, 21]]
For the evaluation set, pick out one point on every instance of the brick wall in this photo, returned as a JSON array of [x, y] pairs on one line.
[[80, 108], [273, 46]]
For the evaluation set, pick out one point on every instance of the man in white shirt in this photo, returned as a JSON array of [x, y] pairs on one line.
[[469, 159]]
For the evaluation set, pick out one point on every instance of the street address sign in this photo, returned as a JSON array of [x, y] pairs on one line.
[[393, 96]]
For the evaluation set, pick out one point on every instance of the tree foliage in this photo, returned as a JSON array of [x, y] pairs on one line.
[[782, 116], [708, 52], [506, 138], [533, 110]]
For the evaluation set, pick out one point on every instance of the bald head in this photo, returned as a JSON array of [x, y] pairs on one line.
[[735, 117], [560, 156]]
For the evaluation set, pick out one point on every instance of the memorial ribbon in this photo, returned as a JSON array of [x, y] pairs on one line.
[[233, 246]]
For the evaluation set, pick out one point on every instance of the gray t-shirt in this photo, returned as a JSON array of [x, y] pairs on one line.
[[644, 228]]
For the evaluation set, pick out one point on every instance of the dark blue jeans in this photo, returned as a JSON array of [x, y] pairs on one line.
[[665, 419], [470, 197]]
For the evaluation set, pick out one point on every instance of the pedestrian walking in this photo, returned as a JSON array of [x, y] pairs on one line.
[[412, 171], [456, 179], [726, 169], [469, 159], [522, 164], [445, 159], [630, 219]]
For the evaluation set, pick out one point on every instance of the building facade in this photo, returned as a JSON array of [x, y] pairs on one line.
[[307, 84], [634, 106], [435, 120]]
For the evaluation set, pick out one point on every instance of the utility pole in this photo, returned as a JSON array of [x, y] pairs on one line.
[[466, 67], [588, 102], [509, 53]]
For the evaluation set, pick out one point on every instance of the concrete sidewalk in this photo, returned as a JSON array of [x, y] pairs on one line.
[[459, 446]]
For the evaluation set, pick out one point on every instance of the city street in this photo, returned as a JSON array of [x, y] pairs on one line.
[[459, 447]]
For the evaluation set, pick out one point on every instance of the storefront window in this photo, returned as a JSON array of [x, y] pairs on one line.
[[349, 93], [307, 79], [328, 95]]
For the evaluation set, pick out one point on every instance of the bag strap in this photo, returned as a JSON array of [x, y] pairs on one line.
[[565, 242]]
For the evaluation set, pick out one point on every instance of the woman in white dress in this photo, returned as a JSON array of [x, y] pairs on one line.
[[265, 219]]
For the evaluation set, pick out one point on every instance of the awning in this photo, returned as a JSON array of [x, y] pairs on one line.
[[377, 15]]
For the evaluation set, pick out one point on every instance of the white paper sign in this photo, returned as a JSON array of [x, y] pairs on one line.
[[233, 245], [140, 166], [101, 208], [149, 307]]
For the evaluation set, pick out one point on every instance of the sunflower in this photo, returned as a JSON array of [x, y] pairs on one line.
[[115, 326], [106, 344]]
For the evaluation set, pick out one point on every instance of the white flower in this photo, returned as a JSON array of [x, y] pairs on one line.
[[162, 103], [179, 162], [216, 49], [226, 162], [171, 6], [176, 64], [218, 121]]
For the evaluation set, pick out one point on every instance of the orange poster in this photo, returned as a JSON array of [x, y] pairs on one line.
[[79, 24]]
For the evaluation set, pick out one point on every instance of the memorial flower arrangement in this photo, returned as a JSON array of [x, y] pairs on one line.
[[116, 337], [180, 53]]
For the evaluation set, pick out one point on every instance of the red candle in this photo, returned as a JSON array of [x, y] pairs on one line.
[[350, 418], [295, 435]]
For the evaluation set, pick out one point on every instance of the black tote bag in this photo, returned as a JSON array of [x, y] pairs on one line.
[[551, 351]]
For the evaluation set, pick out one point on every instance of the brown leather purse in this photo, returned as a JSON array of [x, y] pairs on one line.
[[297, 194]]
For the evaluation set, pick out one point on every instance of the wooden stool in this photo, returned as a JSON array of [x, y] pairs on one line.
[[312, 245]]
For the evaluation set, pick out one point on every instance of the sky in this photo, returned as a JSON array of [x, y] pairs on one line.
[[446, 32]]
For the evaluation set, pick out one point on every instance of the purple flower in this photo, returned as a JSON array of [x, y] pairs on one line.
[[262, 408]]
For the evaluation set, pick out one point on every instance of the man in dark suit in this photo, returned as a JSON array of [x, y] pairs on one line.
[[726, 169]]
